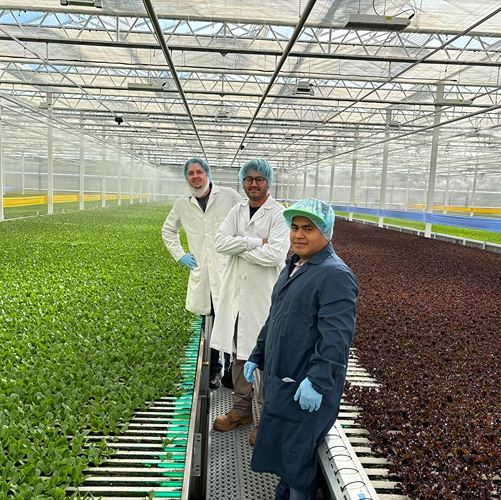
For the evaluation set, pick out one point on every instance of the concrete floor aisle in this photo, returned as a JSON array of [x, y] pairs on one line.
[[229, 473]]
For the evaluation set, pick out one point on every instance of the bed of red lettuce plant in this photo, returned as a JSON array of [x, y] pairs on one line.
[[429, 330]]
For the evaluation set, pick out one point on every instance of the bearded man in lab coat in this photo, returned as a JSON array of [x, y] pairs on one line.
[[200, 213], [256, 238]]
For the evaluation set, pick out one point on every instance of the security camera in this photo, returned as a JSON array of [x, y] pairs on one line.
[[119, 120]]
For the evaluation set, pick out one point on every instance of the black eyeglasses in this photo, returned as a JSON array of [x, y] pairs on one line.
[[258, 180]]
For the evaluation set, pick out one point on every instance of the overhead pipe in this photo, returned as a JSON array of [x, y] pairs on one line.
[[158, 31], [302, 21]]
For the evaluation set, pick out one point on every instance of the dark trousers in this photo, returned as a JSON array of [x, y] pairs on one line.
[[216, 365], [284, 492]]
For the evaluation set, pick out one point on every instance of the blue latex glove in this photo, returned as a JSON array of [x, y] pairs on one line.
[[249, 368], [309, 398], [189, 261]]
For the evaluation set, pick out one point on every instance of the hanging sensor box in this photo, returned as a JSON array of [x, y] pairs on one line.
[[89, 3], [453, 102], [378, 23]]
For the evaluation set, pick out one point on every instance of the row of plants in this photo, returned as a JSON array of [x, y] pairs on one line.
[[459, 232], [42, 208], [473, 234], [428, 323], [92, 327]]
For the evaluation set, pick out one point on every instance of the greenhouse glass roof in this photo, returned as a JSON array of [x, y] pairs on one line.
[[284, 79]]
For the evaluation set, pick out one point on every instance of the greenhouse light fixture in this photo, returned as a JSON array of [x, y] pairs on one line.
[[304, 87], [145, 86], [222, 114], [84, 3], [453, 102], [393, 125], [376, 23]]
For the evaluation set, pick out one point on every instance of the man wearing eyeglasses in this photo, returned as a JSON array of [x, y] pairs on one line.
[[256, 238], [200, 213]]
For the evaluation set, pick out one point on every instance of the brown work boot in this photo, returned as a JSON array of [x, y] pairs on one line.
[[231, 420], [252, 437]]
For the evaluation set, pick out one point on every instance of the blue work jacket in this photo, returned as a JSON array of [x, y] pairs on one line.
[[308, 333]]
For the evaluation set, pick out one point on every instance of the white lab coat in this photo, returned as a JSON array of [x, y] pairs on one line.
[[200, 228], [250, 274]]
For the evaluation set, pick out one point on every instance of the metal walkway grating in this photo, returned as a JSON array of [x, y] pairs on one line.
[[229, 473], [151, 456]]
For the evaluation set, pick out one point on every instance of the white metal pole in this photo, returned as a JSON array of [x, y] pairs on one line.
[[384, 173], [353, 178], [81, 173], [331, 186], [407, 189], [103, 171], [131, 183], [317, 172], [155, 177], [288, 179], [446, 191], [474, 189], [282, 179], [305, 176], [433, 160], [50, 160], [141, 171], [23, 176], [2, 169], [119, 180]]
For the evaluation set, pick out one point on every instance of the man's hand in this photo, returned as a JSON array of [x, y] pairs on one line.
[[309, 398], [189, 261], [249, 368]]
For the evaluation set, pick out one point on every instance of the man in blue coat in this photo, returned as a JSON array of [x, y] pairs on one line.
[[303, 350]]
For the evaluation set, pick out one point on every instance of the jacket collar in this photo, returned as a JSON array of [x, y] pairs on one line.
[[315, 260], [269, 203]]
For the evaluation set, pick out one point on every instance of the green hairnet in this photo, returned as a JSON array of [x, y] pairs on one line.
[[319, 212], [202, 163], [258, 166]]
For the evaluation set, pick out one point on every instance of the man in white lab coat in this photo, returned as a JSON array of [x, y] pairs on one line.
[[256, 238], [200, 213]]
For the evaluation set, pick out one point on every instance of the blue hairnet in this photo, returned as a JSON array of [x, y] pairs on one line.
[[319, 212], [258, 166], [202, 163]]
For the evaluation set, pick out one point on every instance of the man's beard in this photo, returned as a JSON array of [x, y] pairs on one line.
[[201, 191]]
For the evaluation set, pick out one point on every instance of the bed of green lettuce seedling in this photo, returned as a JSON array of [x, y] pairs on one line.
[[92, 327]]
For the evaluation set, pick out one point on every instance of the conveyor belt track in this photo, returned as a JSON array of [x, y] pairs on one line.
[[151, 457]]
